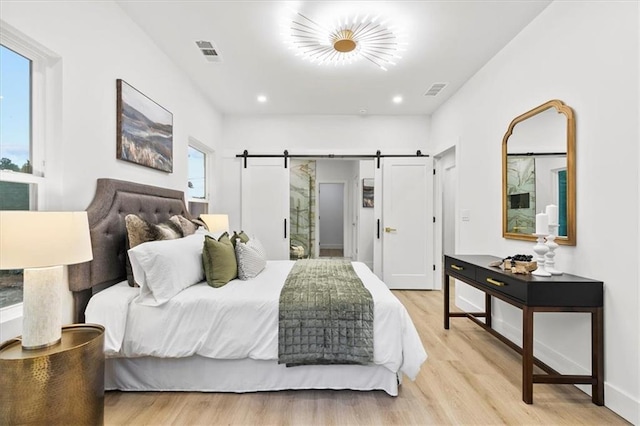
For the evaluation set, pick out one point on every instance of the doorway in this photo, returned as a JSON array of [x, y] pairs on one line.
[[331, 219], [445, 196]]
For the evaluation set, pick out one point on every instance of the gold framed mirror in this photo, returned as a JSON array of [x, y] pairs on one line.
[[539, 169]]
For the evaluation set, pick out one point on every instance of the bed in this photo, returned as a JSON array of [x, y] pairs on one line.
[[215, 339]]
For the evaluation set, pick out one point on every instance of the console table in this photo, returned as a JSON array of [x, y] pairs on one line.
[[558, 293]]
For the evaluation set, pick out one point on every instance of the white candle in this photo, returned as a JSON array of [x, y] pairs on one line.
[[542, 224], [552, 212]]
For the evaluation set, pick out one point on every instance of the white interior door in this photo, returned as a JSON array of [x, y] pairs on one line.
[[407, 223], [265, 204]]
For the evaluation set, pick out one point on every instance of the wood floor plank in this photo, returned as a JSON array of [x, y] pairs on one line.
[[469, 378]]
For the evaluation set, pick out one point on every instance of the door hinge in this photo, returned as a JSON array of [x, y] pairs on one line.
[[434, 171], [434, 267], [434, 219]]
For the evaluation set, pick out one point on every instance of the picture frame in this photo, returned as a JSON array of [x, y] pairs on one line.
[[144, 132], [367, 192]]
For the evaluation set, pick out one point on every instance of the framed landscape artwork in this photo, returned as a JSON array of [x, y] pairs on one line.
[[145, 130]]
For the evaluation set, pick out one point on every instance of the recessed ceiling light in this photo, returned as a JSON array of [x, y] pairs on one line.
[[262, 99], [397, 99]]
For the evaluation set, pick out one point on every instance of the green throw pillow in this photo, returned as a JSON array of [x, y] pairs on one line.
[[219, 260]]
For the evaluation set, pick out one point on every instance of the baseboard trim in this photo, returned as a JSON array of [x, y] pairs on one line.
[[615, 399], [622, 404]]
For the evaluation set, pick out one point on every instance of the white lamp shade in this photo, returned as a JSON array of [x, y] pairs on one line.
[[216, 222], [34, 239]]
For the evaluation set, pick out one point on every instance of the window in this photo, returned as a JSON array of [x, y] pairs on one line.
[[24, 68], [15, 115], [198, 185], [197, 174]]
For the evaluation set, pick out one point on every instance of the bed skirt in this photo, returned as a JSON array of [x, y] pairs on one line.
[[200, 374]]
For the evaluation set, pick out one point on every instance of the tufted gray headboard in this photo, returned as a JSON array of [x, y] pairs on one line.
[[114, 199]]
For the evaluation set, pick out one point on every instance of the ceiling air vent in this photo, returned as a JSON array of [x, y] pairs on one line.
[[209, 51], [435, 89]]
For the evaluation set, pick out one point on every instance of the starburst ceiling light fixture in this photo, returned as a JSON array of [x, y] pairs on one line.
[[346, 41]]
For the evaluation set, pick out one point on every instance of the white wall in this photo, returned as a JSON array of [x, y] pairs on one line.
[[586, 54], [97, 44], [315, 134]]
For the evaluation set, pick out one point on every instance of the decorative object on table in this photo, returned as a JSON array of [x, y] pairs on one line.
[[56, 385], [519, 264], [367, 192], [540, 250], [550, 263], [144, 130], [42, 243], [542, 230]]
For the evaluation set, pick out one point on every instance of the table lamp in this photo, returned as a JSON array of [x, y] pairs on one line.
[[216, 222], [41, 243]]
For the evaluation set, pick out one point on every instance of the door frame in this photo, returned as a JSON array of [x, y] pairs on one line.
[[438, 209]]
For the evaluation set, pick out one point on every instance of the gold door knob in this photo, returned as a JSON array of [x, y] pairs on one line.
[[387, 229]]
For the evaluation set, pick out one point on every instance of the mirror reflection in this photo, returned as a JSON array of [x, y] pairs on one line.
[[538, 165]]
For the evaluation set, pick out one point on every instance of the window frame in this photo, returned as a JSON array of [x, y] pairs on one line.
[[41, 61]]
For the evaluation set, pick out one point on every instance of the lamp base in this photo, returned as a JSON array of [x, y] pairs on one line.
[[42, 313]]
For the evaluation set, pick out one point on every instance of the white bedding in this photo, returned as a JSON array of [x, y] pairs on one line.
[[238, 321]]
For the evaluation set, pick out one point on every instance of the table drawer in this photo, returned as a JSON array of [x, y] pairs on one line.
[[503, 284], [461, 268]]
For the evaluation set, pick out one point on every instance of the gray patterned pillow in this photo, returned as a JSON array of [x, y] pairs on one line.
[[252, 258], [187, 226], [140, 231]]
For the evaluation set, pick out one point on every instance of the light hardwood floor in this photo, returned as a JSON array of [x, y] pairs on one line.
[[469, 378]]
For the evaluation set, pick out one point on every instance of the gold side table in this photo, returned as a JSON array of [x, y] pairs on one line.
[[60, 384]]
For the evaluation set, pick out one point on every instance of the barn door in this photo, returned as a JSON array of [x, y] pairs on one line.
[[265, 204]]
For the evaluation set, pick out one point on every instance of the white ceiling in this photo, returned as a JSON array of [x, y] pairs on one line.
[[449, 41]]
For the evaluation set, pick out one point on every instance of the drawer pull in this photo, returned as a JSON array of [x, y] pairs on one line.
[[457, 268], [495, 282]]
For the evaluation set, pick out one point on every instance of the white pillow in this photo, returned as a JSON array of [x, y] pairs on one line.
[[164, 268], [251, 257]]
